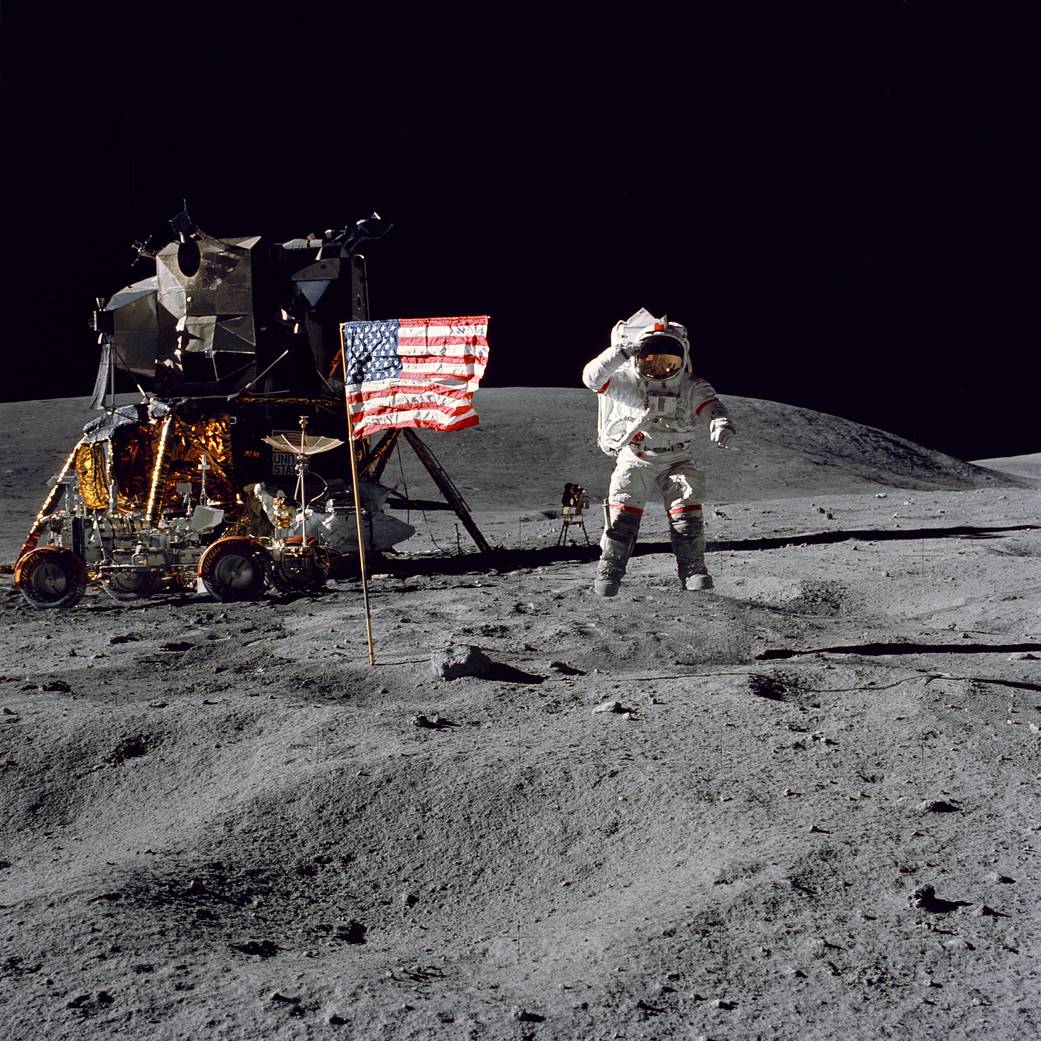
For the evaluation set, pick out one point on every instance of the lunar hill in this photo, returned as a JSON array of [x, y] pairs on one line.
[[800, 807], [1020, 465], [531, 441]]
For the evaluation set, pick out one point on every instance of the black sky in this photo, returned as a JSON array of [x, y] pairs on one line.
[[839, 200]]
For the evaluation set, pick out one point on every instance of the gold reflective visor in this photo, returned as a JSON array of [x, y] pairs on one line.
[[658, 366]]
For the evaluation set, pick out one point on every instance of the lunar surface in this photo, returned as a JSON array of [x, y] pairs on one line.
[[801, 806]]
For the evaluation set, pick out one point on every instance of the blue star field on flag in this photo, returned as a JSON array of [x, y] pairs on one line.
[[372, 351]]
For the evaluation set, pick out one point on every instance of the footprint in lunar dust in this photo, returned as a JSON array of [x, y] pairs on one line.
[[824, 599]]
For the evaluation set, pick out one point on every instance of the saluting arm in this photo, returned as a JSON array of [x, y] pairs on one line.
[[597, 373]]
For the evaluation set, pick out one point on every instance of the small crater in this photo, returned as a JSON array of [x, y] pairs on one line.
[[770, 687], [350, 932], [132, 747], [257, 948]]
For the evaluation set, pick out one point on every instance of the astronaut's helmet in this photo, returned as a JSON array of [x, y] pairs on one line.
[[661, 356]]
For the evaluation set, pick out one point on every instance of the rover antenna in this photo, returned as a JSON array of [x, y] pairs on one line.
[[302, 450]]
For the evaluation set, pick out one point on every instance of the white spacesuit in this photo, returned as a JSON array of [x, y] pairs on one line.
[[651, 405]]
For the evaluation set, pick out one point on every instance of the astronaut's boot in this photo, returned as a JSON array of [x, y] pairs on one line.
[[616, 547], [687, 532]]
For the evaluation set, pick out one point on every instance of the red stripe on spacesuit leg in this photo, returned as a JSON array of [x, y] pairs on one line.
[[690, 508], [604, 387], [707, 401], [622, 507]]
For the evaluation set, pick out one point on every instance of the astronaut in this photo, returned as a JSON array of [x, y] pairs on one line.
[[651, 406]]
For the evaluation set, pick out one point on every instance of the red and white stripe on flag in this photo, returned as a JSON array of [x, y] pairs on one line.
[[422, 376]]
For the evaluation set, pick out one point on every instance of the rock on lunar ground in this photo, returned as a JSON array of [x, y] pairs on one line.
[[455, 660]]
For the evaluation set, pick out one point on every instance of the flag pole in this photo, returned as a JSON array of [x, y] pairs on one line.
[[357, 503]]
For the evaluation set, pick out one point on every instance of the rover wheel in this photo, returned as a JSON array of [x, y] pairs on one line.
[[234, 569], [307, 575], [127, 586], [51, 578]]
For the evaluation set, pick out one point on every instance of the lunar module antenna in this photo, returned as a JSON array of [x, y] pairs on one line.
[[142, 248], [182, 225], [345, 239]]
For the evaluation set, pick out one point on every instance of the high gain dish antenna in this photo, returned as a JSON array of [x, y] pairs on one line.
[[302, 448]]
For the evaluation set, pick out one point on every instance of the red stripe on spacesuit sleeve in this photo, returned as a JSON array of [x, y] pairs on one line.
[[707, 401], [689, 508], [622, 507], [604, 387]]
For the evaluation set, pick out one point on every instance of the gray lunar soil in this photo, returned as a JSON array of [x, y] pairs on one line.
[[802, 806]]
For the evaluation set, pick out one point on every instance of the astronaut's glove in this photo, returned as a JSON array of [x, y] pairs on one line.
[[628, 349], [721, 431]]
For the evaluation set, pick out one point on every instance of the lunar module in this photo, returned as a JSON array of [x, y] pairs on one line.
[[233, 466]]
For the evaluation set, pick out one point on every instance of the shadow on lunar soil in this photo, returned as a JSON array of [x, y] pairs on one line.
[[506, 560], [874, 649]]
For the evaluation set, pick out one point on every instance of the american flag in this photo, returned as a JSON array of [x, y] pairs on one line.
[[414, 372]]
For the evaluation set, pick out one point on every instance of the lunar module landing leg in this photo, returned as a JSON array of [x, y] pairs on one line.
[[376, 461]]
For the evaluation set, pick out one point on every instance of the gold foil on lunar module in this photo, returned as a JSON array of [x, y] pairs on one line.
[[136, 450], [92, 475], [186, 444]]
